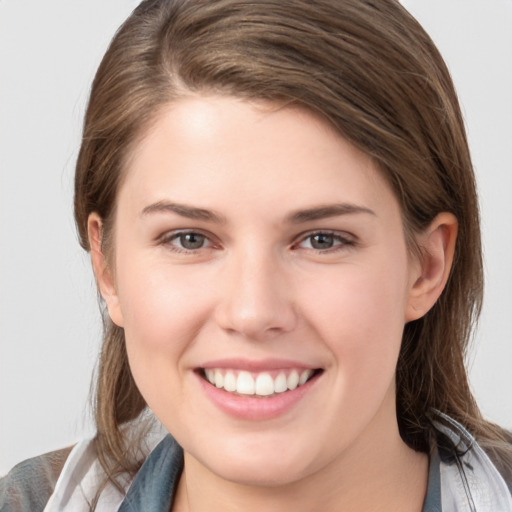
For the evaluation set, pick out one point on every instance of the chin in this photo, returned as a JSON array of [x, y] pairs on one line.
[[258, 464], [257, 474]]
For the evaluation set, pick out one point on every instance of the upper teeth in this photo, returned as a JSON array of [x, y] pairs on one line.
[[261, 384]]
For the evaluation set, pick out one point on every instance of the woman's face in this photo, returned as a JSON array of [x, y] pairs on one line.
[[255, 247]]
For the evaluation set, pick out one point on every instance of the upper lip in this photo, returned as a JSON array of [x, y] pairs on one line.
[[257, 365]]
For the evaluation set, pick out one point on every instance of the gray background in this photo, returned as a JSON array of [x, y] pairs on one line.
[[49, 325]]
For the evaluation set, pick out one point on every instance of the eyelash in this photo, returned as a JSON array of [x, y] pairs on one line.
[[340, 242], [170, 238]]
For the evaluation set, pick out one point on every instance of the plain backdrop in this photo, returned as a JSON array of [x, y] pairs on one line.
[[49, 324]]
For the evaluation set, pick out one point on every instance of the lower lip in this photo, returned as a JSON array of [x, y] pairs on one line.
[[248, 407]]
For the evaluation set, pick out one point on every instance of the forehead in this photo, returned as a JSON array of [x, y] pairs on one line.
[[208, 149]]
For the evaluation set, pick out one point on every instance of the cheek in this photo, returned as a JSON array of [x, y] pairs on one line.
[[362, 300], [360, 316], [163, 310], [160, 303]]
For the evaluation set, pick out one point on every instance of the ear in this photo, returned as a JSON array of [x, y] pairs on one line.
[[102, 271], [430, 274]]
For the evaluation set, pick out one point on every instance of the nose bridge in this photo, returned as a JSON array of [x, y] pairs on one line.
[[256, 301]]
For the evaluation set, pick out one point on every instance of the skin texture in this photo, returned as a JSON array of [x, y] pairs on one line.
[[257, 291]]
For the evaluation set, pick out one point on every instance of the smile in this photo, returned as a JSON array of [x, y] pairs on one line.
[[262, 384]]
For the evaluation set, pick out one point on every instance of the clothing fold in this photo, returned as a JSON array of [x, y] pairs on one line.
[[462, 478]]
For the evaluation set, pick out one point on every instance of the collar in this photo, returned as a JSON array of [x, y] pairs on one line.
[[462, 479]]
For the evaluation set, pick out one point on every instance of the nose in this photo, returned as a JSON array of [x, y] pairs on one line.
[[256, 301]]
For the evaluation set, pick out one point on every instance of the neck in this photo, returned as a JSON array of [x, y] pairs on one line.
[[379, 476]]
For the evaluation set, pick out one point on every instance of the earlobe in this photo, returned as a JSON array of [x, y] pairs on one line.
[[437, 246], [102, 270]]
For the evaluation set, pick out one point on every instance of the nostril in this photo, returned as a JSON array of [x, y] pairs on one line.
[[255, 321]]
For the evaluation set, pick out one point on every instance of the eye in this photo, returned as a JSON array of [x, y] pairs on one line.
[[186, 241], [191, 241], [321, 241], [325, 241]]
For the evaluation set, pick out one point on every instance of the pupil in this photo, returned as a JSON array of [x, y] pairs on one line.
[[322, 241], [192, 241]]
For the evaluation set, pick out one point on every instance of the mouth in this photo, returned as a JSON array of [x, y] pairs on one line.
[[266, 384]]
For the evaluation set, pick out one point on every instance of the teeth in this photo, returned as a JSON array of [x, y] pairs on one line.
[[245, 384], [293, 379], [304, 376], [219, 379], [263, 385], [280, 384], [210, 375], [230, 382]]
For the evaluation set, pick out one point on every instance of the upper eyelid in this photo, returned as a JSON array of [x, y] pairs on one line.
[[175, 233], [335, 233], [168, 241]]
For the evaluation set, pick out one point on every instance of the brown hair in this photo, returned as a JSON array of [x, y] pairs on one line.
[[369, 69]]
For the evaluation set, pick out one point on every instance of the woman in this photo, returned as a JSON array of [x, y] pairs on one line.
[[280, 208]]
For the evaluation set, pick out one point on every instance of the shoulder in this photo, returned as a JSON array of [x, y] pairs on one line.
[[471, 472], [65, 480], [29, 485], [83, 479], [501, 456]]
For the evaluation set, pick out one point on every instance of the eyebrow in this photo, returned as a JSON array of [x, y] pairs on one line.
[[297, 217], [326, 211], [190, 212]]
